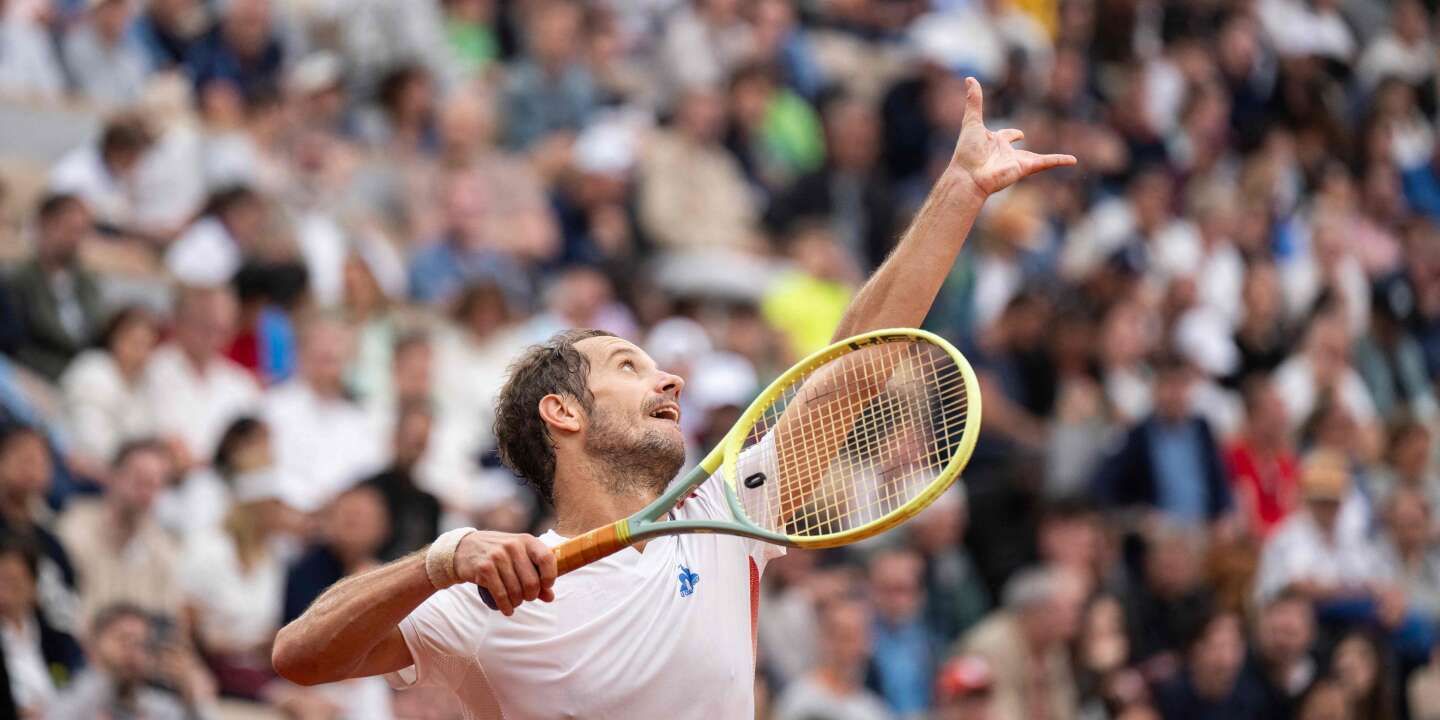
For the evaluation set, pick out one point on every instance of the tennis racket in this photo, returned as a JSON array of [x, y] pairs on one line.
[[848, 443]]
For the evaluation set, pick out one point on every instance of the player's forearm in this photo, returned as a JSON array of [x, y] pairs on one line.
[[901, 292], [336, 634]]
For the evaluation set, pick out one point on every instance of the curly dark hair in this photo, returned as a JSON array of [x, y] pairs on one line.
[[554, 366]]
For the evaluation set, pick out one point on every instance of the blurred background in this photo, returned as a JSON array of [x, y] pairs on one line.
[[266, 261]]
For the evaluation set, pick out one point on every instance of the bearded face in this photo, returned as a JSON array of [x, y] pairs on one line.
[[644, 455]]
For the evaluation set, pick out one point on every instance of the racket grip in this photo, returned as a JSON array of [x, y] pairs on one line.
[[581, 551]]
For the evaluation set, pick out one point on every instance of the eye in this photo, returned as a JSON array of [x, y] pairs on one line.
[[627, 365]]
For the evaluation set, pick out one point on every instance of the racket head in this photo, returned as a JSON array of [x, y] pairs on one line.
[[853, 440]]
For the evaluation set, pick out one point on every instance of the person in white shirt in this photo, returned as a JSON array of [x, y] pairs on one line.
[[192, 389], [1311, 553], [29, 68], [104, 400], [665, 629], [837, 687], [102, 172], [324, 440]]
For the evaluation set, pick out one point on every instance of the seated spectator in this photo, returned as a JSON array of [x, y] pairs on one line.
[[324, 441], [231, 229], [1106, 680], [1361, 666], [352, 529], [550, 90], [25, 476], [130, 658], [1210, 684], [107, 61], [37, 658], [201, 500], [1262, 461], [103, 174], [963, 690], [1263, 336], [1409, 464], [192, 390], [836, 687], [1391, 361], [414, 513], [904, 657], [1026, 643], [169, 28], [851, 188], [1323, 368], [233, 579], [1170, 462], [806, 303], [774, 132], [1407, 553], [692, 193], [1308, 552], [58, 298], [29, 68], [1172, 595], [702, 43], [104, 396], [1281, 662], [1071, 534], [121, 553], [241, 54], [468, 250], [955, 595], [1326, 700]]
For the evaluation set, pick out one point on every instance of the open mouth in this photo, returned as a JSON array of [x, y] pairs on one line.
[[666, 412]]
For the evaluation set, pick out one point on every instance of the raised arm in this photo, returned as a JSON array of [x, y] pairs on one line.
[[901, 292], [352, 630]]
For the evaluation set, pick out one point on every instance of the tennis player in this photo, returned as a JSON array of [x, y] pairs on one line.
[[660, 630]]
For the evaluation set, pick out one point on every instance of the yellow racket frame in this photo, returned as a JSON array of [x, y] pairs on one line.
[[647, 524]]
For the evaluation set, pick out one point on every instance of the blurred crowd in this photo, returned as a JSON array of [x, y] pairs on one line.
[[252, 328]]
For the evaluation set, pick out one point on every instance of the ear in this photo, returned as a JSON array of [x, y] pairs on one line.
[[561, 413]]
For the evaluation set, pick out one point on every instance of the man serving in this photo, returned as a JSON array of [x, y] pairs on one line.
[[661, 629]]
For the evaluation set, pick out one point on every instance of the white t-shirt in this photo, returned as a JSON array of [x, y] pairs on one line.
[[197, 405], [323, 446], [238, 609], [664, 633]]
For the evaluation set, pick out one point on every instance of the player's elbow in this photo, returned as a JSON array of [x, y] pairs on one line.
[[295, 661]]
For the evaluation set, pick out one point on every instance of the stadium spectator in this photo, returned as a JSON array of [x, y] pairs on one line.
[[25, 472], [324, 442], [1359, 666], [1170, 463], [121, 553], [904, 655], [550, 91], [1171, 596], [1282, 663], [1262, 462], [240, 55], [29, 66], [1407, 465], [353, 527], [955, 596], [104, 399], [105, 60], [193, 391], [104, 174], [38, 658], [1025, 642], [963, 690], [58, 297], [1407, 553], [414, 513], [229, 231], [169, 28], [1210, 685], [836, 687], [807, 302], [129, 655]]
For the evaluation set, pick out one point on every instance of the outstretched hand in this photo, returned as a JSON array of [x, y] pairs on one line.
[[988, 159]]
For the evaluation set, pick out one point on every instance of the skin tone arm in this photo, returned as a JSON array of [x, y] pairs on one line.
[[901, 292], [352, 630]]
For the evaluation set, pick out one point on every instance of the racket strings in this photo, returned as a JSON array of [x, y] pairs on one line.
[[855, 439]]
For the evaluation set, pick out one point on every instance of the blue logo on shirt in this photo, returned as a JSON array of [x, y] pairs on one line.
[[687, 581]]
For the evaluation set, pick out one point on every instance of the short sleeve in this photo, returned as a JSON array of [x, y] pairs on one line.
[[714, 504], [442, 635]]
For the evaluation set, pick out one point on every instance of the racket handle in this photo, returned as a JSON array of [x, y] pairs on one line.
[[581, 551]]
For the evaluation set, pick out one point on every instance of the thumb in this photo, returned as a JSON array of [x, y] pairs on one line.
[[974, 102]]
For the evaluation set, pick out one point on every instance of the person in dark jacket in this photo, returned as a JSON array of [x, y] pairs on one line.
[[1211, 686], [355, 525], [414, 513], [59, 301], [45, 658], [1170, 462]]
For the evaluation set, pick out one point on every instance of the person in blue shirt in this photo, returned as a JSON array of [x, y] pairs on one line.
[[904, 658]]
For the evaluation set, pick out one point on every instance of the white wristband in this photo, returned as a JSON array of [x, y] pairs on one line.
[[440, 558]]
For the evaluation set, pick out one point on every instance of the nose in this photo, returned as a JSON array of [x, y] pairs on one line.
[[671, 384]]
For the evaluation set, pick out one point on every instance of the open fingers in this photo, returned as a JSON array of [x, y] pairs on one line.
[[974, 102], [1033, 163]]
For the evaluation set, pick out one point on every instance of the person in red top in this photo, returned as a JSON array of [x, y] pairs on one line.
[[1263, 466]]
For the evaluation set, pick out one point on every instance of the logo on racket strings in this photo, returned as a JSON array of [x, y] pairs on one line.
[[687, 581]]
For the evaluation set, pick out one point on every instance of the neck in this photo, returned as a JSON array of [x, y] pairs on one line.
[[594, 495], [841, 680], [125, 521], [196, 356]]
